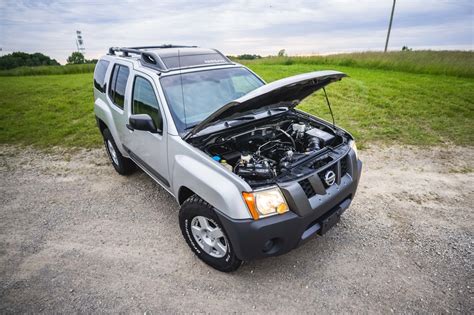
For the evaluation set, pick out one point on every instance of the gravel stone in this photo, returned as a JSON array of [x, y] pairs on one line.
[[75, 237]]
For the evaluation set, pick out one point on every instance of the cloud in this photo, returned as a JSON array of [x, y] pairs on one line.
[[235, 27]]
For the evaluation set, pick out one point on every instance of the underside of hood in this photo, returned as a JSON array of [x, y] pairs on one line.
[[288, 92]]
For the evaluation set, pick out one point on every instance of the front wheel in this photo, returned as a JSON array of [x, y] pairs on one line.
[[206, 236]]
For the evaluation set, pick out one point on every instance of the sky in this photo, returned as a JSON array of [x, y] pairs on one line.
[[301, 27]]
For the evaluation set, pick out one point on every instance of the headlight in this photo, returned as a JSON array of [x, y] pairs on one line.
[[353, 146], [265, 203]]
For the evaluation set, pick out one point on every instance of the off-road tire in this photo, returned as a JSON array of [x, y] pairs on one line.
[[122, 165], [195, 206]]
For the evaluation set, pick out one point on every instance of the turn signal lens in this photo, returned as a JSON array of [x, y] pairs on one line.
[[250, 201], [282, 208]]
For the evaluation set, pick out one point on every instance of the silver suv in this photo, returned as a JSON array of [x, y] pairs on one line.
[[254, 176]]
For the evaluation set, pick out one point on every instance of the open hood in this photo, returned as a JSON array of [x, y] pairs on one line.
[[287, 92]]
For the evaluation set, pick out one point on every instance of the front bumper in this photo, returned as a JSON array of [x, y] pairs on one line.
[[279, 234]]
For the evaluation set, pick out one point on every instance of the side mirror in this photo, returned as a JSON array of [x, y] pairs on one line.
[[142, 122]]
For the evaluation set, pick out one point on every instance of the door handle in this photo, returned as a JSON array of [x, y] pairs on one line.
[[129, 127]]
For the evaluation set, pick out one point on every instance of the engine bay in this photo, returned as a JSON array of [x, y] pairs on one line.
[[269, 151]]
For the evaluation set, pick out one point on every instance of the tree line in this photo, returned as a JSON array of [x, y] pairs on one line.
[[22, 59]]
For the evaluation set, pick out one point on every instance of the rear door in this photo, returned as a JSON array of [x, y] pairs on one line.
[[117, 97], [148, 149]]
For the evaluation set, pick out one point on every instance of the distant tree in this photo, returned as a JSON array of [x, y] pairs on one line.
[[248, 57], [21, 59], [76, 58], [94, 61], [405, 48], [282, 53]]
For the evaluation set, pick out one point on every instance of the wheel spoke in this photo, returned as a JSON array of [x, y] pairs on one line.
[[203, 223], [221, 249], [207, 248], [196, 229], [216, 233]]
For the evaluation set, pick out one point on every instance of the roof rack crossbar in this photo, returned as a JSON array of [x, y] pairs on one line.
[[150, 58], [137, 50], [146, 57], [164, 46]]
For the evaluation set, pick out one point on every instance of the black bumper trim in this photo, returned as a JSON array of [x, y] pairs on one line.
[[250, 237]]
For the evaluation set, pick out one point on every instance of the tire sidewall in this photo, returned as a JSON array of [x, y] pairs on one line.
[[108, 137], [187, 213]]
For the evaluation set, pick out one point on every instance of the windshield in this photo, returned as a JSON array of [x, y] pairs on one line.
[[193, 96]]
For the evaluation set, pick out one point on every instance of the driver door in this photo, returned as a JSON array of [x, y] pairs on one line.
[[148, 149]]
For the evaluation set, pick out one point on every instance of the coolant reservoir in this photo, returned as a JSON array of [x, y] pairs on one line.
[[226, 165]]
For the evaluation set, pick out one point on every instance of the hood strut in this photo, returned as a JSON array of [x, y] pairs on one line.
[[329, 105]]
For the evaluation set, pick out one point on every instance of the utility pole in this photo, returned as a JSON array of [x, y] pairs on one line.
[[390, 26]]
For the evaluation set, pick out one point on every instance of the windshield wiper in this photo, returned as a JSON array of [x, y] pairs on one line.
[[190, 127], [243, 118]]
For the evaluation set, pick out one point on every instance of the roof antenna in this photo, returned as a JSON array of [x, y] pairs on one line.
[[182, 91], [329, 105]]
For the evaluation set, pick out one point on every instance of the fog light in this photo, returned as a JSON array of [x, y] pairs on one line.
[[268, 245]]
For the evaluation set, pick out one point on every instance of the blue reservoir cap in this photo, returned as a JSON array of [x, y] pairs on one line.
[[216, 158]]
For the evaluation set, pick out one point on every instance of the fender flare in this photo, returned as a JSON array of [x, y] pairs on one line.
[[206, 182], [103, 113]]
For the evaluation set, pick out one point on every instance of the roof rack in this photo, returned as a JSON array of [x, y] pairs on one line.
[[150, 58]]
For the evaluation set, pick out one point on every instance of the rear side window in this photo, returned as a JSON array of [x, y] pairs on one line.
[[118, 84], [145, 101], [99, 75]]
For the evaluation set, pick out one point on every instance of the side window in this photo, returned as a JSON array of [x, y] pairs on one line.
[[118, 84], [113, 79], [99, 75], [144, 101]]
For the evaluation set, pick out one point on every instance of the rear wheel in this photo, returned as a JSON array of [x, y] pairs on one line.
[[206, 236], [121, 164]]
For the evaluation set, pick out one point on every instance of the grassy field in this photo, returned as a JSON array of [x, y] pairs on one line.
[[453, 63], [48, 70], [389, 106], [375, 105], [48, 111]]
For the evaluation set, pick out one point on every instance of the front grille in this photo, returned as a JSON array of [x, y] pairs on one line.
[[320, 163], [306, 185], [307, 188], [344, 166], [323, 173]]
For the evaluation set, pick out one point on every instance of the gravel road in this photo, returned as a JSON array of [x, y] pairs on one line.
[[77, 237]]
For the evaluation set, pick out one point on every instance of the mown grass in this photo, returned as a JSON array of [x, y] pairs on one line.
[[455, 63], [374, 105], [48, 70], [53, 110], [389, 106]]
